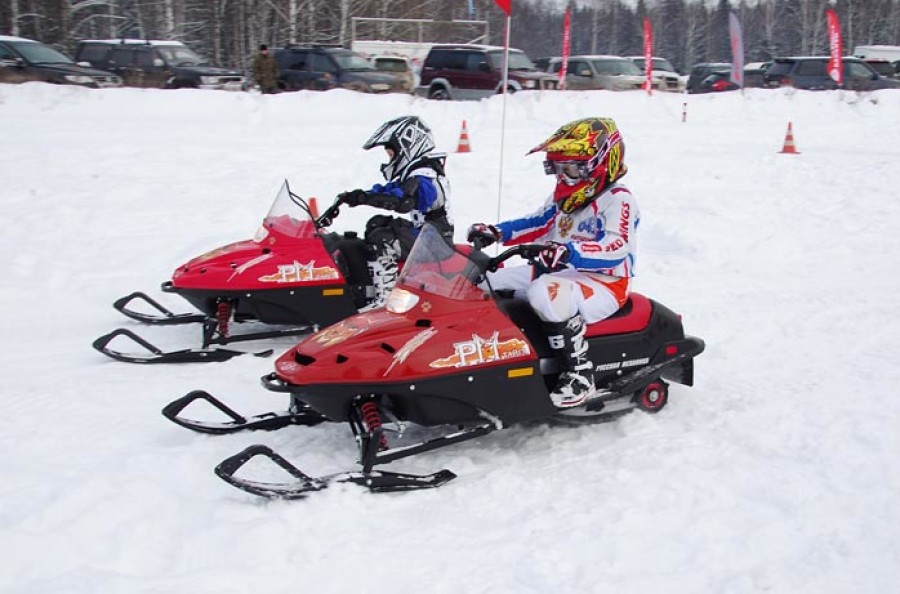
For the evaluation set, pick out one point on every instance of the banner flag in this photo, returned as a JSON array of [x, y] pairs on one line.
[[567, 32], [835, 64], [648, 55], [737, 50], [505, 6]]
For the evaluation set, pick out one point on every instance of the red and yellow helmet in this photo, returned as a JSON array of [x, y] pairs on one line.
[[585, 156]]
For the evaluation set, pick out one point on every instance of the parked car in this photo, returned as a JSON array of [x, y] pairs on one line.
[[710, 77], [399, 68], [884, 67], [24, 60], [157, 64], [811, 73], [466, 71], [319, 68], [665, 77], [754, 74], [610, 73]]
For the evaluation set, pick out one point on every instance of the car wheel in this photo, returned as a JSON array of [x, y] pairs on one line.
[[438, 94]]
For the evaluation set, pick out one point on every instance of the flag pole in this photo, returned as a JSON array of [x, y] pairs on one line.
[[503, 114]]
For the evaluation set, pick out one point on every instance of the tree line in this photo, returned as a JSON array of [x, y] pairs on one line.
[[685, 31]]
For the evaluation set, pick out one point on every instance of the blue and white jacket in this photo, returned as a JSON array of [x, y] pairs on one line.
[[424, 194], [601, 237]]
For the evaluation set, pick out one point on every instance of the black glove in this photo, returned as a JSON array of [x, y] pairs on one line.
[[354, 197], [553, 257], [488, 234]]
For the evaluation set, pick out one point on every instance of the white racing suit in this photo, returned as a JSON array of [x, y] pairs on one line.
[[602, 245]]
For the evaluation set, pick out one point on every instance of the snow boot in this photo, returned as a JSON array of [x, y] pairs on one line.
[[383, 268], [576, 382]]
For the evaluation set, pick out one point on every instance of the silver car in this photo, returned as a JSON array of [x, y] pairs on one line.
[[611, 73]]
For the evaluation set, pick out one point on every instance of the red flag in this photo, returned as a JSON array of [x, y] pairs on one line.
[[835, 64], [648, 55], [567, 31], [505, 6]]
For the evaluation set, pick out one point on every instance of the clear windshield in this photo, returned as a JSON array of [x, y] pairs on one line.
[[179, 56], [38, 53], [436, 267], [287, 216], [351, 61], [617, 67], [517, 60], [663, 64]]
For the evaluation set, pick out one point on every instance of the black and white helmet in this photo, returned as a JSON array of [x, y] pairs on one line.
[[409, 138]]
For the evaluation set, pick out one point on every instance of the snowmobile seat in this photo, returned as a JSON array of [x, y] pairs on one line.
[[631, 317]]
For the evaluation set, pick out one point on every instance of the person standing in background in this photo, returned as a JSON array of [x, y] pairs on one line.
[[265, 71]]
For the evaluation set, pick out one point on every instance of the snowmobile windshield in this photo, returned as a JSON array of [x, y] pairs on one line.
[[288, 216], [435, 266]]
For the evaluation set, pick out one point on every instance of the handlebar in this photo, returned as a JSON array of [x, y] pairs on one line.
[[529, 251], [327, 217]]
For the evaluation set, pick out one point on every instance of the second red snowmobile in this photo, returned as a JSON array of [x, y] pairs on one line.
[[293, 274], [453, 360]]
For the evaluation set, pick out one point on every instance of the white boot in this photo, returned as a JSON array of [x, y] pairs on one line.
[[384, 276], [576, 382]]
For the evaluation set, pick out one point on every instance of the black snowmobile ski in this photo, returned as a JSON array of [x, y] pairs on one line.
[[377, 481], [157, 355], [302, 415], [373, 451], [168, 318]]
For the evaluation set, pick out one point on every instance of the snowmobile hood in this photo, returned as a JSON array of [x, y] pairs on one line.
[[274, 262], [434, 338]]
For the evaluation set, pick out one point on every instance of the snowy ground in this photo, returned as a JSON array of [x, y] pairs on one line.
[[777, 472]]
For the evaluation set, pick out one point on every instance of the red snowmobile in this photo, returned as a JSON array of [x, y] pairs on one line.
[[453, 360], [292, 274]]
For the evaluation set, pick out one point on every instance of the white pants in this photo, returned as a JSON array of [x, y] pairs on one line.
[[558, 296]]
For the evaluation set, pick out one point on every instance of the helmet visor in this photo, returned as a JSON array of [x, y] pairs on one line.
[[567, 171]]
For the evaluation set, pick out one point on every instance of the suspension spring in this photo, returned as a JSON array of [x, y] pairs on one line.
[[223, 316], [371, 418]]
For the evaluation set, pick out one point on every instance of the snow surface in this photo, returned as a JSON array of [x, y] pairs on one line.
[[776, 472]]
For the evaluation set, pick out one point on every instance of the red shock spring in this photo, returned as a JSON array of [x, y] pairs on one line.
[[372, 420], [223, 314]]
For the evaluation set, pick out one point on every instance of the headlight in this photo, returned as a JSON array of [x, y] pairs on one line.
[[401, 301], [79, 79], [528, 84], [209, 80]]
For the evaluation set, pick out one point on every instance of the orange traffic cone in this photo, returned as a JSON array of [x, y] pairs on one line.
[[463, 146], [789, 147]]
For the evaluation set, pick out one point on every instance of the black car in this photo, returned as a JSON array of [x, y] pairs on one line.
[[754, 74], [157, 64], [811, 73], [24, 60], [710, 77], [319, 68]]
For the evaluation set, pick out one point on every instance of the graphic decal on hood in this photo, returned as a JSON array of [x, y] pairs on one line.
[[483, 350]]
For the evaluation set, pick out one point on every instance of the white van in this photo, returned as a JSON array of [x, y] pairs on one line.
[[891, 53]]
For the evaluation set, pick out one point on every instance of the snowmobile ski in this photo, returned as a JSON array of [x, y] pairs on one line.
[[265, 422], [157, 355], [168, 318], [377, 481]]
